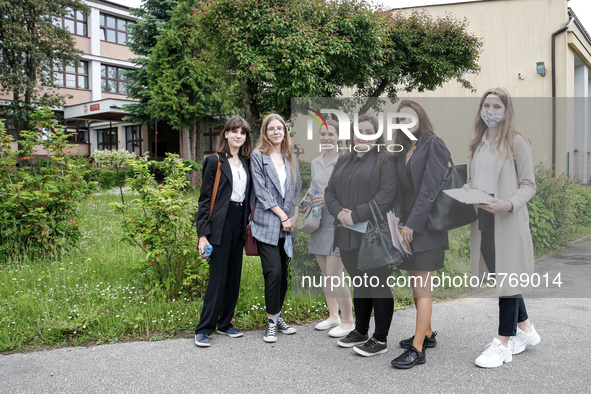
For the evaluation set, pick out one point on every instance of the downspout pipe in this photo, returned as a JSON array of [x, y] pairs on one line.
[[570, 21]]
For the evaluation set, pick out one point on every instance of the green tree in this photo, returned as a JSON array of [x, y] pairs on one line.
[[31, 46], [183, 89], [154, 17]]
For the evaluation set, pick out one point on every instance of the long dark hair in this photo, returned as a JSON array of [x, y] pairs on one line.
[[235, 122], [424, 133]]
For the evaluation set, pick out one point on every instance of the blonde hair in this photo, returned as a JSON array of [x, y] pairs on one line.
[[508, 125], [266, 147]]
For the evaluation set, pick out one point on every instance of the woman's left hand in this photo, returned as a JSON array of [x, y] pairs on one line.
[[407, 234], [345, 217], [495, 206]]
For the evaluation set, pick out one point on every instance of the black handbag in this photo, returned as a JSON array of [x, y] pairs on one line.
[[377, 249], [448, 213]]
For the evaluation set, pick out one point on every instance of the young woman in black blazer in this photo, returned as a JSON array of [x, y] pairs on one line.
[[225, 230], [421, 166], [363, 175]]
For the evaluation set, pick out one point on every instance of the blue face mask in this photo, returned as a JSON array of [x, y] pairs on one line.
[[288, 247], [491, 118]]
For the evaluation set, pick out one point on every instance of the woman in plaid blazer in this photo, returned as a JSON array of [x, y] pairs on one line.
[[276, 184]]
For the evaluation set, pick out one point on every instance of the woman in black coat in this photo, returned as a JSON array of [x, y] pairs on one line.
[[421, 166], [224, 227], [363, 175]]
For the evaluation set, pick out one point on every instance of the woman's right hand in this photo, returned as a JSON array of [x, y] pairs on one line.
[[304, 209], [466, 187], [286, 225], [203, 242]]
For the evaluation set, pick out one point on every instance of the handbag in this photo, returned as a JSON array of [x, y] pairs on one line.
[[309, 224], [250, 244], [448, 213], [377, 249]]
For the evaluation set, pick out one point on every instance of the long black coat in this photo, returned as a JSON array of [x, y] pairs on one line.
[[214, 227], [428, 165], [376, 180]]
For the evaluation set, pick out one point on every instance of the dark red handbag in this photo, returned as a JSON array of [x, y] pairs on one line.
[[250, 244]]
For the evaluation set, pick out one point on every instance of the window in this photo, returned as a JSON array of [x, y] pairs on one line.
[[72, 77], [210, 139], [113, 79], [78, 130], [74, 22], [107, 139], [133, 139], [115, 29]]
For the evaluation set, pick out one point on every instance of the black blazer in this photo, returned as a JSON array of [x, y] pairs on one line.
[[214, 227], [377, 180], [428, 165]]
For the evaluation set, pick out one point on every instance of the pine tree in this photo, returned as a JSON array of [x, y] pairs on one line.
[[31, 46]]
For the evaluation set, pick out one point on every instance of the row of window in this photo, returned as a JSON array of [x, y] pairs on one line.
[[113, 29], [113, 79]]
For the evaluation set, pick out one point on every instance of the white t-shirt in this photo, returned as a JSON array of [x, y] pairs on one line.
[[281, 172]]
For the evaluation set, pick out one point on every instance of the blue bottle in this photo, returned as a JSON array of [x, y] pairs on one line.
[[317, 210], [208, 250]]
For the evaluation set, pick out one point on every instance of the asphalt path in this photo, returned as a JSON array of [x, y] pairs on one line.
[[310, 361]]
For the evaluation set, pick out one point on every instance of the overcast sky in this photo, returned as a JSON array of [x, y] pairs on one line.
[[581, 7]]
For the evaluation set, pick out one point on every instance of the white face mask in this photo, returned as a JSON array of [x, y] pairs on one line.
[[491, 118]]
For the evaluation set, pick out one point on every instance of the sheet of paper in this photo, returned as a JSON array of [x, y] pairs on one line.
[[397, 240], [473, 196], [360, 227]]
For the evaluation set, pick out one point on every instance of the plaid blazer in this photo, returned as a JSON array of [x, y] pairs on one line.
[[266, 226]]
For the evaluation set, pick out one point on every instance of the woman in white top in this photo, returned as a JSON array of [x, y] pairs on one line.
[[322, 239], [500, 240]]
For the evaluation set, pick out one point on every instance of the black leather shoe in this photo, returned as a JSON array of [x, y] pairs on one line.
[[428, 342], [409, 358]]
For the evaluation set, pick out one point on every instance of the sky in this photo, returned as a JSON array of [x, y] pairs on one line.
[[581, 7]]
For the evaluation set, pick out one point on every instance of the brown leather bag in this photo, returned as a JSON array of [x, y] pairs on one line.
[[216, 184], [250, 244]]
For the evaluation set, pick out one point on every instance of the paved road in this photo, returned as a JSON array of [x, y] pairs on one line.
[[310, 361]]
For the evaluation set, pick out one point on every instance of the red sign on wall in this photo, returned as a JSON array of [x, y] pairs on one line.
[[95, 107]]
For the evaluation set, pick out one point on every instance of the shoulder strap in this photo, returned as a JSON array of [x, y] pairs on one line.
[[216, 184]]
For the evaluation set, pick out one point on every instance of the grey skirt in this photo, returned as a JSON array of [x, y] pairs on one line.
[[321, 240]]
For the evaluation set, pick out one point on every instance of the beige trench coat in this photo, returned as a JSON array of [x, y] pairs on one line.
[[514, 251]]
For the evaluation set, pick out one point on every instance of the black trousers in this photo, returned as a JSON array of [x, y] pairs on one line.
[[367, 298], [225, 269], [275, 270], [511, 309]]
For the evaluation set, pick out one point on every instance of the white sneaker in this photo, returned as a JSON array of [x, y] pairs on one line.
[[339, 332], [494, 355], [325, 324], [519, 342]]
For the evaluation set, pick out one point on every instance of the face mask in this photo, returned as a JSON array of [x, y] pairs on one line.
[[287, 246], [491, 118]]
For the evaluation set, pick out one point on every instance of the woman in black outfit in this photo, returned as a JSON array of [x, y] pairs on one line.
[[358, 177], [421, 166], [225, 230]]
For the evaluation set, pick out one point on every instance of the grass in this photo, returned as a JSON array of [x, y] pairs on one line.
[[95, 293]]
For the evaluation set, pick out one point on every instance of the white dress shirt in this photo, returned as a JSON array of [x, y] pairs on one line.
[[484, 166], [238, 183]]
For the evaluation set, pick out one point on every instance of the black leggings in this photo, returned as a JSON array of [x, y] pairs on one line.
[[368, 298], [511, 309]]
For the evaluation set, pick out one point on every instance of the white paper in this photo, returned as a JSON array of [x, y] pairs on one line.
[[360, 227], [397, 240], [474, 196]]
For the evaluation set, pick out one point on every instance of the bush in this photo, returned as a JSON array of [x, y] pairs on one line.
[[39, 197], [108, 178], [306, 174], [161, 223], [160, 170]]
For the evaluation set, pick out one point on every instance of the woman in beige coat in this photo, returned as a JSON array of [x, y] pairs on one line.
[[501, 247]]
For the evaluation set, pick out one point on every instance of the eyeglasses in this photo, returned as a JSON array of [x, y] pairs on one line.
[[274, 129]]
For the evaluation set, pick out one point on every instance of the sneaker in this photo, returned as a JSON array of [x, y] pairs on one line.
[[519, 342], [283, 326], [270, 332], [339, 332], [202, 340], [232, 332], [428, 342], [371, 348], [354, 338], [409, 358], [325, 324], [494, 355]]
